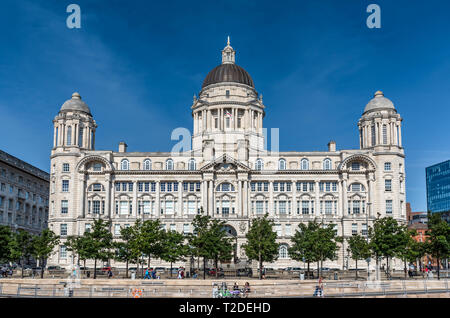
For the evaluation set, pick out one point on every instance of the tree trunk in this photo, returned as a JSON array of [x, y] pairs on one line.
[[318, 269], [404, 263], [170, 269], [148, 263], [95, 268], [204, 268], [22, 260], [438, 267], [357, 269], [137, 268], [42, 270], [260, 265], [126, 269], [217, 269], [307, 272]]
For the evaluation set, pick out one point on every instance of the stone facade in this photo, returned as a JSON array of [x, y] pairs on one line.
[[229, 172], [23, 195]]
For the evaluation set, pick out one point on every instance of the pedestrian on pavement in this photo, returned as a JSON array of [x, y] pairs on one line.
[[147, 274], [153, 273]]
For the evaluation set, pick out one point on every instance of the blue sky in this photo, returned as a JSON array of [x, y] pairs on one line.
[[137, 65]]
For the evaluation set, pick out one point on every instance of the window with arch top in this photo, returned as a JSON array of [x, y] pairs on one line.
[[225, 187], [259, 164], [304, 164], [282, 164], [147, 164], [283, 251], [169, 164], [191, 164], [125, 164], [327, 164]]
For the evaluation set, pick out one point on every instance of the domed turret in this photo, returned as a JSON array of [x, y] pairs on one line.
[[379, 102], [75, 104]]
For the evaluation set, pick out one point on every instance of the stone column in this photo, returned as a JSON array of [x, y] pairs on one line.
[[81, 193], [246, 199], [317, 197], [180, 199], [271, 205], [210, 199], [340, 206], [134, 212], [112, 207], [344, 198], [400, 134], [395, 134], [108, 196], [294, 198], [54, 136], [239, 199], [158, 199]]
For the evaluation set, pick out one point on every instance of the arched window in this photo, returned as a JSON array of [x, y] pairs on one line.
[[169, 164], [147, 164], [283, 251], [304, 164], [282, 164], [327, 164], [259, 164], [69, 135], [356, 187], [225, 187], [124, 164], [191, 164]]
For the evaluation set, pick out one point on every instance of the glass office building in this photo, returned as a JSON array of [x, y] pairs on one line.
[[438, 187]]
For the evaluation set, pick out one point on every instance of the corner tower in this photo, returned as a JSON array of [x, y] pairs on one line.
[[228, 114]]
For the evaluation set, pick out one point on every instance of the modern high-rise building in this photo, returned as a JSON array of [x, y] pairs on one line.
[[228, 173], [438, 188]]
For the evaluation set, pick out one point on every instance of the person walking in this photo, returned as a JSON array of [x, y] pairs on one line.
[[147, 274], [110, 273]]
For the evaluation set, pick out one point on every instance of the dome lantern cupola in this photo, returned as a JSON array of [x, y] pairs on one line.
[[228, 54]]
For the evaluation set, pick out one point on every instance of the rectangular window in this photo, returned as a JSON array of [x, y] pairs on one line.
[[66, 167], [305, 207], [282, 207], [140, 186], [388, 206], [62, 251], [63, 229], [364, 231], [116, 229], [259, 207], [278, 229], [388, 185], [123, 207], [64, 206], [356, 206], [97, 166], [65, 186], [117, 186], [334, 186], [253, 186], [387, 166], [185, 228], [96, 207], [354, 228], [384, 134], [87, 227], [373, 134], [328, 207], [173, 227], [146, 207], [191, 207], [355, 166], [287, 229], [169, 207]]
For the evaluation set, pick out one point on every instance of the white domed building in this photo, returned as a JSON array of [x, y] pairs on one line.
[[228, 172]]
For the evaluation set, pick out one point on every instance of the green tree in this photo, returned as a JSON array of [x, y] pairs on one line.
[[5, 238], [174, 248], [261, 242], [326, 246], [151, 239], [99, 242], [438, 238], [78, 246], [218, 246], [302, 244], [198, 238], [359, 249], [386, 237], [43, 246], [124, 248], [21, 246]]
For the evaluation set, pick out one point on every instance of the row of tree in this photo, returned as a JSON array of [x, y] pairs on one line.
[[313, 242], [20, 245]]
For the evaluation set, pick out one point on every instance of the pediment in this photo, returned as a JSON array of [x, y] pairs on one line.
[[226, 164]]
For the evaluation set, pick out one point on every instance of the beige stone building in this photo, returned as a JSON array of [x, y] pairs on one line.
[[228, 171], [23, 195]]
